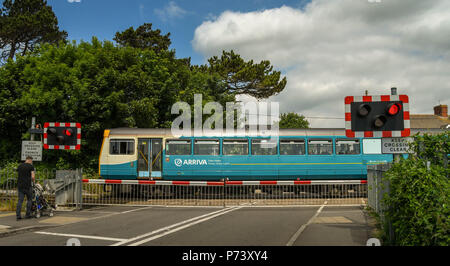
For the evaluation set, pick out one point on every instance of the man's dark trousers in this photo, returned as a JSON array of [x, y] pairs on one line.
[[22, 193]]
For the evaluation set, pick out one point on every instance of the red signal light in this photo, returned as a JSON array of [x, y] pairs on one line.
[[68, 132], [394, 109]]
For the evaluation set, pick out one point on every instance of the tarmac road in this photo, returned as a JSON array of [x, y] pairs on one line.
[[192, 226]]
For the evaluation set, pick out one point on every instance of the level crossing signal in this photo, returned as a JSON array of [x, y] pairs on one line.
[[377, 116], [62, 136]]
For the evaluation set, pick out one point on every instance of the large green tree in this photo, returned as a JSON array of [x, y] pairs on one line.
[[144, 37], [293, 120], [26, 23], [97, 84], [245, 77], [103, 85]]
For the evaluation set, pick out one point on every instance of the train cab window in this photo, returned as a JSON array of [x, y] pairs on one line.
[[264, 147], [347, 146], [372, 146], [206, 147], [235, 147], [292, 147], [320, 147], [178, 147], [121, 146]]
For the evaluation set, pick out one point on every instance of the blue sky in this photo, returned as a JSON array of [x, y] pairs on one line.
[[103, 18], [327, 49]]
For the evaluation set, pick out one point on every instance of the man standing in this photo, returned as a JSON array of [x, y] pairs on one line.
[[26, 175]]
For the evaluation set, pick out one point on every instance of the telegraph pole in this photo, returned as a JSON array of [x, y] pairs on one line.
[[33, 126]]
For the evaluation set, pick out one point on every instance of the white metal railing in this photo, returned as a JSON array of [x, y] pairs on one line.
[[216, 193]]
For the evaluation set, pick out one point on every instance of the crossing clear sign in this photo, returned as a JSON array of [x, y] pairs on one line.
[[33, 149], [395, 145]]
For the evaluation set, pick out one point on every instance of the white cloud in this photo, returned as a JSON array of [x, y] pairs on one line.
[[331, 49], [170, 11], [74, 1]]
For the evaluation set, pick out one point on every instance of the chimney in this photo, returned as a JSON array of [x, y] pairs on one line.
[[441, 110]]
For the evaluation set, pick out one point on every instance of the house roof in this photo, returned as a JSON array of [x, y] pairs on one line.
[[429, 121]]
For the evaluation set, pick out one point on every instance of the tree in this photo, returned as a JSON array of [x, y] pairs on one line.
[[240, 77], [26, 23], [144, 38], [97, 84], [293, 120]]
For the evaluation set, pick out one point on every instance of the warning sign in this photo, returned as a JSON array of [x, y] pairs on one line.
[[395, 145], [33, 149]]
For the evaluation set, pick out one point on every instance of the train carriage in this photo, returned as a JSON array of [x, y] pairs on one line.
[[297, 154]]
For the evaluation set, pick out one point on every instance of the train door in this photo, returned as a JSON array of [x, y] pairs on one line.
[[149, 158]]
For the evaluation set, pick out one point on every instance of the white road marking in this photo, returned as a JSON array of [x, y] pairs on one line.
[[183, 227], [136, 209], [302, 228], [82, 236], [170, 227]]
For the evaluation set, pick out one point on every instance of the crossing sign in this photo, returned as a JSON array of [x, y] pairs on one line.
[[33, 149], [395, 145]]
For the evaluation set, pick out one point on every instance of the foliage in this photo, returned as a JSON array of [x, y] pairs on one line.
[[241, 77], [144, 38], [26, 23], [98, 84], [419, 203], [293, 120], [433, 148], [103, 85]]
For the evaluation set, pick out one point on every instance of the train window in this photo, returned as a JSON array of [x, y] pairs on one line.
[[347, 146], [292, 147], [264, 147], [206, 147], [372, 146], [121, 146], [320, 147], [235, 147], [178, 147]]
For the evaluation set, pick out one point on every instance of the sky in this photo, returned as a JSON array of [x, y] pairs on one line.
[[327, 49]]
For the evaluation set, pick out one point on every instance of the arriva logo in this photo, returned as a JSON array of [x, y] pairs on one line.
[[179, 162]]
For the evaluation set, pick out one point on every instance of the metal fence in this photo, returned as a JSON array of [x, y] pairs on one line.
[[8, 187], [231, 193], [377, 186], [67, 188]]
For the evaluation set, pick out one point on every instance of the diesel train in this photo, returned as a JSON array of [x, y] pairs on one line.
[[297, 154]]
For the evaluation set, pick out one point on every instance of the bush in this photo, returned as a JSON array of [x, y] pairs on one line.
[[419, 197]]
